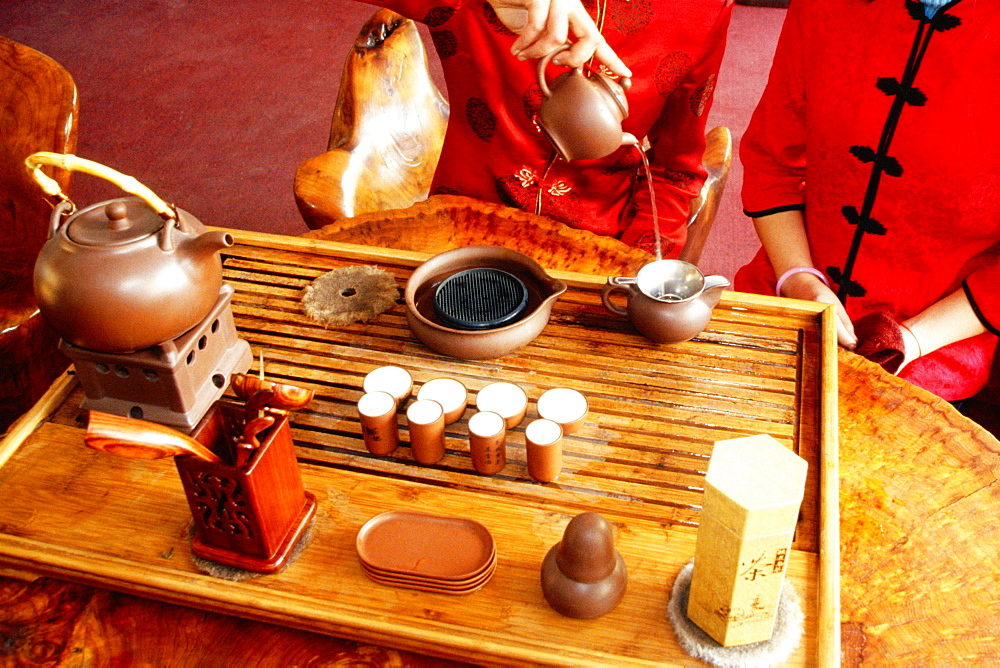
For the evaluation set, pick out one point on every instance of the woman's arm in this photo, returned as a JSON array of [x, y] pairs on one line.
[[943, 322], [949, 320], [783, 236]]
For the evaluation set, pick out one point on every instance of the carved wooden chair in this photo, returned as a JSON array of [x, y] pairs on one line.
[[385, 140], [38, 112], [717, 159]]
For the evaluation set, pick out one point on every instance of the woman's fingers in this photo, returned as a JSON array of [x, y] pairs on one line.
[[607, 55], [552, 23], [845, 328], [806, 286], [546, 27], [582, 51]]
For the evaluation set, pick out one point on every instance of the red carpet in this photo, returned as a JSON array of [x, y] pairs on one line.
[[214, 105]]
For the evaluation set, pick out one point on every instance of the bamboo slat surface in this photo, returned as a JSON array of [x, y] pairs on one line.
[[761, 366]]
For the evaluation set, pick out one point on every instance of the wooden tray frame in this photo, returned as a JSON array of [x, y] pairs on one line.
[[123, 524]]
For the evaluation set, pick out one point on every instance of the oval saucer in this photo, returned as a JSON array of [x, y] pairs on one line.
[[416, 544], [452, 584], [444, 588]]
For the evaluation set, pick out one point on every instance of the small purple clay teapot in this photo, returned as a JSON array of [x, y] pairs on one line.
[[582, 116], [669, 301], [124, 274]]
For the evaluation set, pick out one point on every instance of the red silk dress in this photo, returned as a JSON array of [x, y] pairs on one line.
[[494, 150], [881, 125]]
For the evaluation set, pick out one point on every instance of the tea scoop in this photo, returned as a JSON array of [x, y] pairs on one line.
[[140, 439]]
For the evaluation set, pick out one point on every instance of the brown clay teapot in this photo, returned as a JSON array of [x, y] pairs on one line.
[[124, 274], [582, 116]]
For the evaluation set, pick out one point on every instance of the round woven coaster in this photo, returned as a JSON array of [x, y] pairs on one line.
[[788, 630], [236, 574], [350, 294]]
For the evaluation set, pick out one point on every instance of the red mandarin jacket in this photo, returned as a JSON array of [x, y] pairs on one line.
[[856, 136], [494, 151]]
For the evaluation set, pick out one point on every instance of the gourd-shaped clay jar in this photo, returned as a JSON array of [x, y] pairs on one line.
[[584, 576]]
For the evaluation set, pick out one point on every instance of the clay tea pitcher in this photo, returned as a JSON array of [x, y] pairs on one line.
[[124, 274], [668, 300], [582, 116]]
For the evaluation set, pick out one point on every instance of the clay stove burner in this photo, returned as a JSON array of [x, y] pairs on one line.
[[174, 383]]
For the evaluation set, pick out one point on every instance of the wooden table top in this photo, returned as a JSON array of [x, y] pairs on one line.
[[888, 529]]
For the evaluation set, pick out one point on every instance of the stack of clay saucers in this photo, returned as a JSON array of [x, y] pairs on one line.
[[435, 553]]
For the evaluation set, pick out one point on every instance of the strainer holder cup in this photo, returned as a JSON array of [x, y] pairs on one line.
[[247, 516]]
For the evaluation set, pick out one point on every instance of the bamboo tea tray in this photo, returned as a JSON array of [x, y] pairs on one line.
[[763, 365]]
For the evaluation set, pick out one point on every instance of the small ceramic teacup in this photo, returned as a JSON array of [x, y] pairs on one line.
[[543, 445], [487, 442], [450, 393], [564, 406], [425, 418], [379, 428], [668, 300], [392, 379], [506, 399]]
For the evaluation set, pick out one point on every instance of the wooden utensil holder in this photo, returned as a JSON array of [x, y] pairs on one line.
[[249, 517]]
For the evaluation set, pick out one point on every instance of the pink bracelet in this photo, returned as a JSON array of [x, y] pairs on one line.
[[798, 270]]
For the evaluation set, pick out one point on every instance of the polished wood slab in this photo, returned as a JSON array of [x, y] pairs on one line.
[[761, 367], [920, 489]]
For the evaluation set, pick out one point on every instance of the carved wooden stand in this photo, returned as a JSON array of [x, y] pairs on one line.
[[248, 516], [173, 383]]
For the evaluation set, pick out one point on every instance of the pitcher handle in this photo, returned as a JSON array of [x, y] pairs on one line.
[[72, 163], [614, 284], [543, 63]]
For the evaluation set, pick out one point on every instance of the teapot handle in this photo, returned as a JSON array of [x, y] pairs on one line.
[[543, 63], [72, 163], [60, 214]]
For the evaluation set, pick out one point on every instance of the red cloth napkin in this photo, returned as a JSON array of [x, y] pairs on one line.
[[880, 339]]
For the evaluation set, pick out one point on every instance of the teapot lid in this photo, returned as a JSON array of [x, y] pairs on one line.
[[114, 223], [616, 90]]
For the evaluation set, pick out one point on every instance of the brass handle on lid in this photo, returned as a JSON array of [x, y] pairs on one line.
[[73, 163]]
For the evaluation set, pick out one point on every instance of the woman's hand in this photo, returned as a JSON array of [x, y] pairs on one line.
[[783, 235], [807, 286], [544, 25]]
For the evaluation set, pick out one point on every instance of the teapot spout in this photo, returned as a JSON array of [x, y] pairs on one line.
[[629, 139], [212, 242]]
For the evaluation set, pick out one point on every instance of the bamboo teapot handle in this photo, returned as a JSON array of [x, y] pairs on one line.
[[73, 163]]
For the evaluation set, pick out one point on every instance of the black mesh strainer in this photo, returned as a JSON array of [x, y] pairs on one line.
[[480, 298]]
